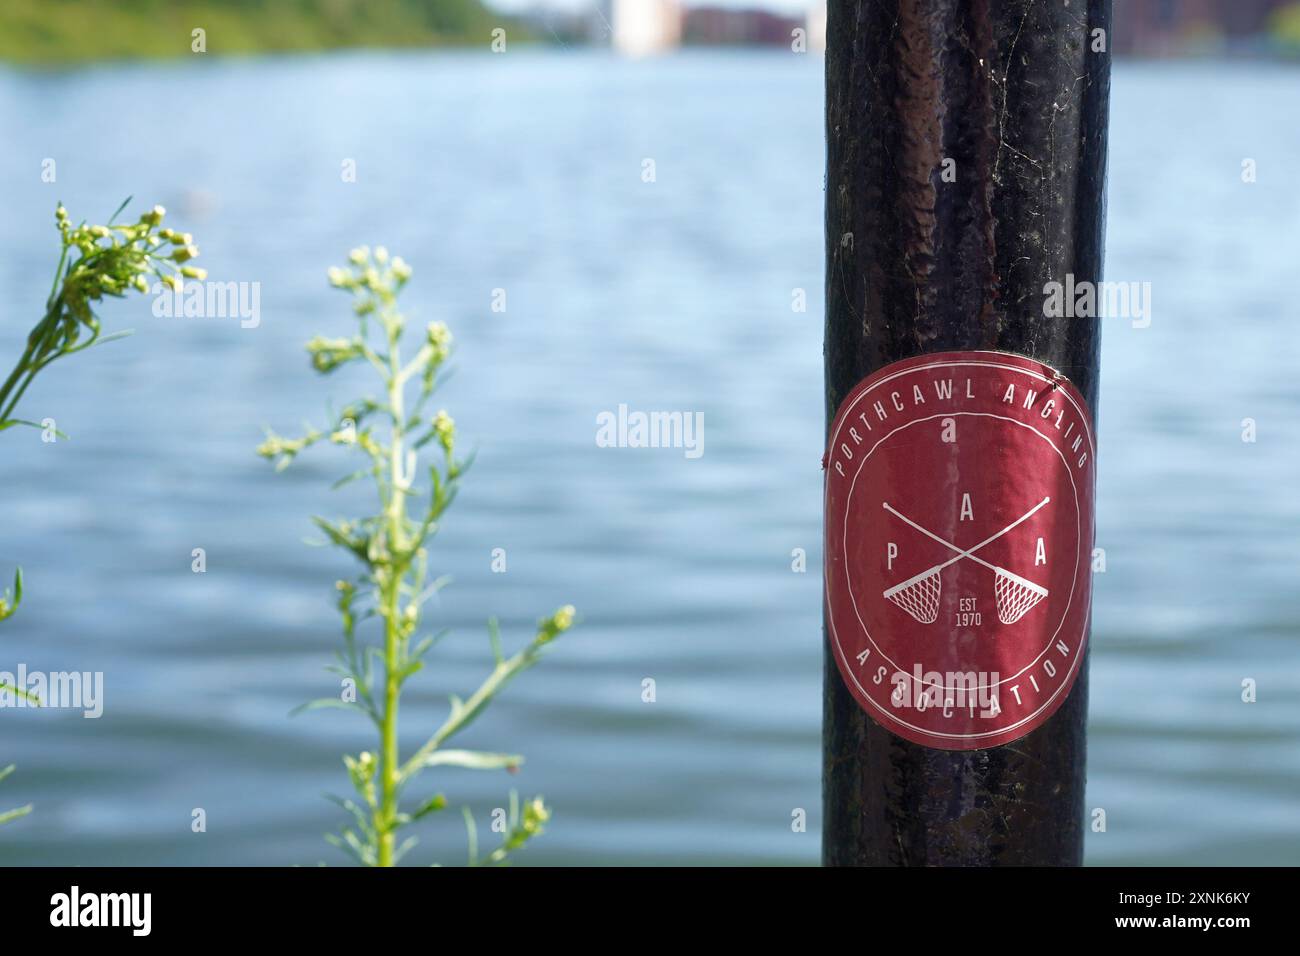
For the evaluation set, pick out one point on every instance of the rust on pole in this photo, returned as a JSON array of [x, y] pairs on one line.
[[965, 174]]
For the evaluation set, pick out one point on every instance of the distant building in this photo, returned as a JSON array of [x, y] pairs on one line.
[[816, 25], [724, 26], [643, 27], [1168, 27], [1139, 27]]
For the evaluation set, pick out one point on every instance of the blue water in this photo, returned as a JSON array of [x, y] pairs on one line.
[[524, 172]]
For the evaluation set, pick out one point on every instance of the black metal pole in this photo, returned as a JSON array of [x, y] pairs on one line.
[[965, 174]]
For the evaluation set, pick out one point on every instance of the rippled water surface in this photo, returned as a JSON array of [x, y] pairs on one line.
[[523, 172]]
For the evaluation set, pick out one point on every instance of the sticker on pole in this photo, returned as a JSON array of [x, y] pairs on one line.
[[959, 534]]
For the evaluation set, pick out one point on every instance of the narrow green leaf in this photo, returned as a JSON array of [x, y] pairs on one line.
[[325, 703], [472, 760], [15, 814], [18, 691], [432, 805]]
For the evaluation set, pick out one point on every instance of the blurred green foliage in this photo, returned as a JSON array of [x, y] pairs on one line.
[[54, 31], [1285, 23]]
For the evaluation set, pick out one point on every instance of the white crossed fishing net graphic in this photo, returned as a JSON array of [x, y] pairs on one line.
[[919, 594]]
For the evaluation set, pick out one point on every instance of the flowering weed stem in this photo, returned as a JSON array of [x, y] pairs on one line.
[[392, 546], [94, 261]]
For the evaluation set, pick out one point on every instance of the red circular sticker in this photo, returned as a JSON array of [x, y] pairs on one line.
[[959, 534]]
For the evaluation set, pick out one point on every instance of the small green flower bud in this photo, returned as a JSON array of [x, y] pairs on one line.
[[439, 339], [536, 813], [185, 253], [154, 216], [359, 255], [555, 625], [329, 354], [194, 272], [445, 428]]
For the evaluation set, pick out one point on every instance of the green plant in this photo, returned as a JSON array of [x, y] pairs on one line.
[[394, 582], [7, 815], [94, 262], [55, 31], [9, 603]]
